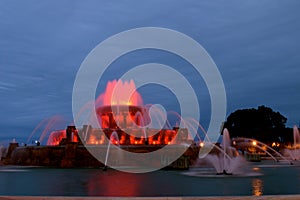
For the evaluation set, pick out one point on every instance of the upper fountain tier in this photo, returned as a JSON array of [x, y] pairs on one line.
[[118, 92]]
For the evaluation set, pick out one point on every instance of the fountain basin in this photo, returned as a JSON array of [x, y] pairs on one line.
[[73, 155]]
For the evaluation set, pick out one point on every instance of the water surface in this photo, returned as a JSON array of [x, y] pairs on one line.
[[271, 179]]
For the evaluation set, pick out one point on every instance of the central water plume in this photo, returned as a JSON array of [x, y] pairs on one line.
[[224, 158], [118, 92]]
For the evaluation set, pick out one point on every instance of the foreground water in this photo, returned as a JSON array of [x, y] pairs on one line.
[[265, 178]]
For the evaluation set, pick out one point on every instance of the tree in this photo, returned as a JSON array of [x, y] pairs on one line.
[[262, 124]]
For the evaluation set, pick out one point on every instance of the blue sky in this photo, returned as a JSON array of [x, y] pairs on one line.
[[254, 43]]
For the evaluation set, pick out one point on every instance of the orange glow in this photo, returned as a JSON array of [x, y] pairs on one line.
[[123, 138], [56, 137], [201, 144], [75, 137], [254, 143], [161, 138], [92, 140], [257, 187]]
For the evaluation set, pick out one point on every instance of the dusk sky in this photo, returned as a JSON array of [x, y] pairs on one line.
[[255, 45]]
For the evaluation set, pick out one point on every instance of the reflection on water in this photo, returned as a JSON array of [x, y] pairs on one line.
[[95, 182], [112, 184], [257, 187]]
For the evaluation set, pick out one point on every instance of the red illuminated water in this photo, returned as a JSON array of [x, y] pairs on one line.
[[118, 92], [45, 127], [121, 107]]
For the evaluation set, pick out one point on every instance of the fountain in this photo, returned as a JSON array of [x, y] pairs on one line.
[[113, 139], [296, 135], [294, 151], [227, 160], [222, 159], [44, 126], [123, 120], [114, 94], [242, 141], [139, 119]]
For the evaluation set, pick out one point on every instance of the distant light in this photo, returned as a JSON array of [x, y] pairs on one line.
[[254, 143], [201, 144], [256, 168]]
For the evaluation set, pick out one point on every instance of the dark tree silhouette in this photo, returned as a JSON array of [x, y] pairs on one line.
[[262, 124]]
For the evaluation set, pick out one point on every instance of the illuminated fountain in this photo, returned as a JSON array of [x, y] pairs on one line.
[[294, 151], [45, 126], [246, 144], [124, 123], [220, 160], [230, 161], [113, 139], [224, 158], [116, 113]]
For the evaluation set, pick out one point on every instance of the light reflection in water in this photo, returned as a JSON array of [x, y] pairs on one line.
[[114, 183], [257, 186]]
